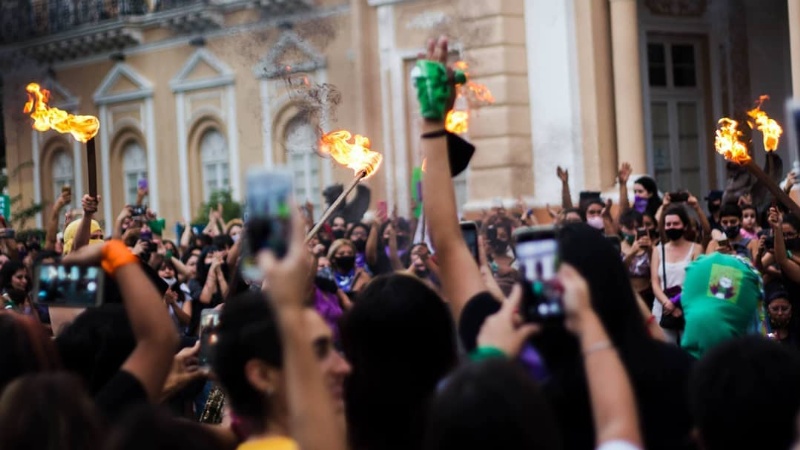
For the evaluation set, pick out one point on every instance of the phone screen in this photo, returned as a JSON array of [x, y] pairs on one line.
[[383, 209], [68, 286], [470, 232], [209, 326], [537, 254], [269, 194]]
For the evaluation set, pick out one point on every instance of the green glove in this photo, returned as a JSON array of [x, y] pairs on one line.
[[433, 88]]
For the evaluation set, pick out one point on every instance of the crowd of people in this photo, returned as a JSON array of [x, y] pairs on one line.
[[678, 330]]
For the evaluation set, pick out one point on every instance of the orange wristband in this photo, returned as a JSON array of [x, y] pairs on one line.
[[115, 255]]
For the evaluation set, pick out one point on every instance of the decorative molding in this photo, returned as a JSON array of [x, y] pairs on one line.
[[428, 20], [677, 8], [384, 2], [144, 88], [224, 74], [271, 66]]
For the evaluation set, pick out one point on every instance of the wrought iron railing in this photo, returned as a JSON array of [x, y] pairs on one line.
[[21, 20]]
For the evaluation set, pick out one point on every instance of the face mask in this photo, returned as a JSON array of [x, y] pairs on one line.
[[402, 241], [779, 323], [713, 207], [733, 231], [346, 263], [792, 244], [500, 246], [170, 281], [325, 273], [640, 203], [595, 222], [361, 245], [338, 234], [629, 238], [673, 234], [235, 238]]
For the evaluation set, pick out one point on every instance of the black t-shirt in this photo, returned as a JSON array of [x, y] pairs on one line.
[[475, 312], [122, 392]]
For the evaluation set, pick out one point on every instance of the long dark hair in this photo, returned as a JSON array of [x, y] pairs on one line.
[[399, 338], [26, 348], [649, 185], [7, 273]]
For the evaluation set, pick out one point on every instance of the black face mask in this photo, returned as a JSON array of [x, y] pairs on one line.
[[792, 244], [732, 232], [338, 234], [673, 234], [361, 245], [714, 207], [402, 241], [346, 263], [499, 246]]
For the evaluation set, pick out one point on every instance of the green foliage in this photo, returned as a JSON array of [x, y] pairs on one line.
[[21, 213], [230, 208]]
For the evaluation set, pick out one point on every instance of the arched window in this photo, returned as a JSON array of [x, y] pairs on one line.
[[301, 142], [134, 168], [214, 157], [63, 172]]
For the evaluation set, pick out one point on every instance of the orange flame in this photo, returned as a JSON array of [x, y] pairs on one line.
[[768, 127], [728, 142], [45, 118], [473, 95], [352, 151], [457, 121]]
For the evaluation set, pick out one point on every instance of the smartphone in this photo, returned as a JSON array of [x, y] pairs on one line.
[[537, 254], [197, 228], [269, 199], [57, 285], [383, 209], [491, 233], [641, 232], [653, 234], [209, 326], [769, 242], [723, 243], [138, 211], [678, 197], [142, 183], [469, 230]]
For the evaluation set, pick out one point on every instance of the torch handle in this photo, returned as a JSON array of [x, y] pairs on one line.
[[91, 165], [774, 189], [328, 212]]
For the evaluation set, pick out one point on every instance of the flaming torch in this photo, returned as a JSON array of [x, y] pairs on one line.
[[469, 95], [352, 151], [728, 144], [769, 128], [82, 128]]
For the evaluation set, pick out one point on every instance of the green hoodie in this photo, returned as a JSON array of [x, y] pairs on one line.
[[721, 299]]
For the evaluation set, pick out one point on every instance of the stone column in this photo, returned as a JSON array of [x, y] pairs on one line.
[[794, 43], [627, 84]]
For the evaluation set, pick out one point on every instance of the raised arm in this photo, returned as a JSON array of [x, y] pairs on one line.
[[84, 232], [701, 216], [623, 177], [461, 279], [52, 223], [124, 214], [312, 418], [610, 391], [789, 268], [156, 339], [372, 241], [566, 196]]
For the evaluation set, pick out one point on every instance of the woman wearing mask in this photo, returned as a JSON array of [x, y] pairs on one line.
[[178, 301], [670, 259], [779, 310], [349, 278], [636, 248], [358, 235], [646, 198]]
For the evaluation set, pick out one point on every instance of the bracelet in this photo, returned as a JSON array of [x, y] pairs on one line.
[[434, 134], [115, 255], [598, 346], [484, 353]]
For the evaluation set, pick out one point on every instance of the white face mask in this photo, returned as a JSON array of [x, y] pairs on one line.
[[595, 222], [170, 281]]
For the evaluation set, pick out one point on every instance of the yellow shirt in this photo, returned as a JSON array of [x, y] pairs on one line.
[[270, 443]]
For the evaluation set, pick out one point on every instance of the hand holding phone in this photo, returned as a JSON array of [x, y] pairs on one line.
[[537, 253], [678, 197], [469, 230], [208, 329]]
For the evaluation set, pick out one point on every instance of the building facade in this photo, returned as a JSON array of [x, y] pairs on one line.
[[192, 93]]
